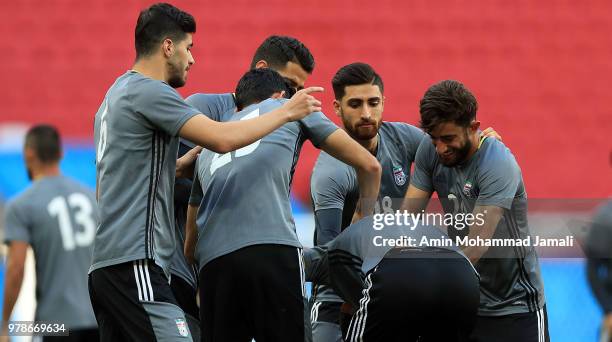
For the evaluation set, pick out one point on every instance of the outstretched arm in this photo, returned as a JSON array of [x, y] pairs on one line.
[[223, 137]]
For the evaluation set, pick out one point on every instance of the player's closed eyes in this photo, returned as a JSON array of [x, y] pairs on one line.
[[447, 139]]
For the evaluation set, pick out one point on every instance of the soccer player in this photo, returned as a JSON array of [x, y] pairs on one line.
[[136, 134], [248, 253], [599, 264], [294, 62], [359, 102], [56, 216], [402, 293], [481, 177], [286, 55]]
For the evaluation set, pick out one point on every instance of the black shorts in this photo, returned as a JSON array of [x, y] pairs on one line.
[[433, 297], [524, 327], [75, 335], [254, 292], [185, 295], [132, 301]]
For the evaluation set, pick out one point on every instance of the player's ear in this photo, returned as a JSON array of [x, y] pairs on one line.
[[474, 126], [278, 95], [29, 155], [168, 47], [337, 107], [261, 64]]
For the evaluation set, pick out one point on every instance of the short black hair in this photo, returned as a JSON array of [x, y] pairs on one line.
[[46, 143], [277, 51], [355, 74], [257, 85], [158, 22], [447, 101]]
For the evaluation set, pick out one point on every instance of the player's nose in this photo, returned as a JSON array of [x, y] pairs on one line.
[[366, 113], [441, 148]]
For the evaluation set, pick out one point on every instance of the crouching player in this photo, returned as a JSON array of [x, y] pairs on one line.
[[408, 293]]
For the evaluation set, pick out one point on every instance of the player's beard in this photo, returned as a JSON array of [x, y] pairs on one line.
[[459, 154], [29, 173], [176, 78], [357, 131]]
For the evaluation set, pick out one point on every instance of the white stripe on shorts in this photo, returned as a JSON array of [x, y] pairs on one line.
[[148, 279], [302, 272], [141, 280], [541, 325], [358, 322], [137, 281]]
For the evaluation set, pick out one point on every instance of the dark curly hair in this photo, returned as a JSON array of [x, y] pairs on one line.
[[447, 101], [158, 22]]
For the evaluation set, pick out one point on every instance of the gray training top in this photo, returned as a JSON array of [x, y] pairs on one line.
[[136, 138], [57, 217], [510, 276], [244, 194], [333, 185], [218, 107]]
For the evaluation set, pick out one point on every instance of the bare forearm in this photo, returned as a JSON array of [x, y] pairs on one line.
[[191, 233], [14, 278], [369, 187], [341, 146], [415, 200], [223, 137], [228, 136], [491, 216], [242, 133]]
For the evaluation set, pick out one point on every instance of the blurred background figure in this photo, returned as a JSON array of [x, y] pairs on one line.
[[56, 216], [599, 265]]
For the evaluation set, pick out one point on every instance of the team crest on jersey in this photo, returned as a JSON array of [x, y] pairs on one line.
[[182, 327], [467, 189], [399, 175]]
